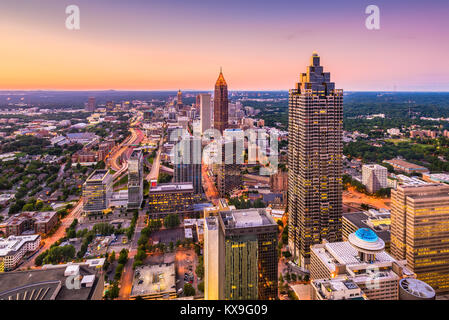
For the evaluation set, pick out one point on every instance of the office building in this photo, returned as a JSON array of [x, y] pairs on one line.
[[91, 105], [169, 198], [221, 104], [14, 248], [97, 191], [241, 260], [279, 181], [362, 260], [228, 170], [420, 231], [374, 177], [406, 167], [205, 112], [187, 162], [179, 99], [135, 180], [314, 161], [35, 221]]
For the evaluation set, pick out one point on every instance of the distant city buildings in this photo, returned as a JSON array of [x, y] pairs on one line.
[[241, 260], [405, 166], [314, 162], [205, 112], [374, 177], [97, 191], [91, 105], [135, 180], [420, 231]]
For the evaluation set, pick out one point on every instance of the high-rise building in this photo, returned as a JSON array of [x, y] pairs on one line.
[[187, 162], [91, 106], [314, 161], [205, 112], [229, 175], [179, 98], [221, 104], [362, 260], [97, 191], [135, 180], [241, 260], [374, 177], [109, 105], [420, 231]]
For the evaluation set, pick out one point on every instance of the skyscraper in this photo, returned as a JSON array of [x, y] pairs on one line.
[[187, 164], [205, 112], [420, 231], [374, 177], [240, 259], [314, 161], [97, 191], [221, 104], [90, 107], [179, 99], [135, 180]]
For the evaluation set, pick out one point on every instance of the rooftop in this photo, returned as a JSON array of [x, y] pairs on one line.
[[181, 186], [98, 175], [246, 218], [14, 243]]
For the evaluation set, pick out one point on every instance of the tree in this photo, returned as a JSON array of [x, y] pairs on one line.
[[188, 290], [171, 221], [200, 267], [201, 286]]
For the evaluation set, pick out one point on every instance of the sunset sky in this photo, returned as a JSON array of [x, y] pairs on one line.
[[261, 45]]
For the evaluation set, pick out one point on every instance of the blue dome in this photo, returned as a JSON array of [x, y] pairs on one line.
[[366, 234]]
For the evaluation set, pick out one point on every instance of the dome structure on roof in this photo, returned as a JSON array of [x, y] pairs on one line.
[[366, 241]]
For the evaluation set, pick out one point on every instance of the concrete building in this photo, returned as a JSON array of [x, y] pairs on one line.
[[362, 260], [205, 112], [314, 161], [420, 231], [14, 248], [378, 221], [279, 181], [36, 221], [135, 180], [228, 170], [91, 105], [97, 191], [83, 281], [336, 289], [168, 198], [154, 282], [187, 162], [374, 177], [406, 167], [241, 255]]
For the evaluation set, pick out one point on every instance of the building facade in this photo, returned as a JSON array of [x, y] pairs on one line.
[[135, 180], [221, 104], [97, 191], [169, 198], [420, 232], [205, 112], [244, 244], [314, 161], [374, 177], [187, 162], [14, 248]]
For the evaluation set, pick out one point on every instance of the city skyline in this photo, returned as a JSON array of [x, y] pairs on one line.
[[164, 46]]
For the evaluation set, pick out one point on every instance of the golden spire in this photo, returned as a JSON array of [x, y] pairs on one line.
[[221, 80]]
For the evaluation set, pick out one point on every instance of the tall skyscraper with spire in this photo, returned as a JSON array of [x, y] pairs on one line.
[[221, 104], [314, 162], [179, 99]]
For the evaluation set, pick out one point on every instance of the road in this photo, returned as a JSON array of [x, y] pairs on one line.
[[58, 234], [209, 186], [126, 282]]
